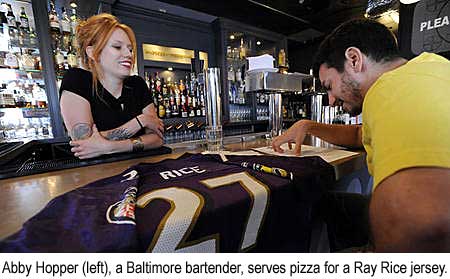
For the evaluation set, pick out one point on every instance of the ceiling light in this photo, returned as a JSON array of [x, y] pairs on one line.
[[170, 69], [258, 43], [408, 1], [231, 37]]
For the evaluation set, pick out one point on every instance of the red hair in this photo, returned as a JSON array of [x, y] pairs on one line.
[[96, 31]]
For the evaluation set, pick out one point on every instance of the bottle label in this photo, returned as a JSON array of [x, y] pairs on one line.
[[11, 60], [59, 58], [72, 60], [65, 25], [54, 23], [24, 23]]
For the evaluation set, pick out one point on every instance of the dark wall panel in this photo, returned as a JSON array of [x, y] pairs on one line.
[[163, 29], [301, 55]]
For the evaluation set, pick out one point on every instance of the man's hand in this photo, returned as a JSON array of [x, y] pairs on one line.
[[295, 134], [93, 146]]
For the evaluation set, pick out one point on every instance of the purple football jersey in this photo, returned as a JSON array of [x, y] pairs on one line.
[[196, 203]]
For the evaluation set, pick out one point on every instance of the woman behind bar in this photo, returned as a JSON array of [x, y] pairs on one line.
[[104, 96]]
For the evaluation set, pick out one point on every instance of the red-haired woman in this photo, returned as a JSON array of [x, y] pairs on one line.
[[104, 96]]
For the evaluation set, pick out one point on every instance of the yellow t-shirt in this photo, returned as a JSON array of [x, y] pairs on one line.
[[406, 116]]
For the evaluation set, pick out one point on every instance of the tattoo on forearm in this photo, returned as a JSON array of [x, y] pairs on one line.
[[119, 134], [81, 131]]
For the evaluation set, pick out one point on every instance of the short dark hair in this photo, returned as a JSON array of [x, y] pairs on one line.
[[371, 37]]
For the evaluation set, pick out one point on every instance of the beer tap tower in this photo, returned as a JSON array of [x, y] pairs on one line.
[[276, 84]]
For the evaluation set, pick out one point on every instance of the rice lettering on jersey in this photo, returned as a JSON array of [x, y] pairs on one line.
[[180, 172]]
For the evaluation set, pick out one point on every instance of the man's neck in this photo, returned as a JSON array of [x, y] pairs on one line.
[[377, 69]]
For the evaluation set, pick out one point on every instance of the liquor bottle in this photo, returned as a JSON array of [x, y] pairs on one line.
[[161, 108], [178, 97], [39, 96], [72, 59], [3, 23], [66, 29], [55, 31], [10, 17], [146, 79], [74, 20], [182, 87], [173, 100], [20, 34], [157, 83], [11, 60], [59, 63], [24, 32], [12, 26], [183, 109], [26, 60], [198, 109], [167, 102], [152, 90], [24, 23], [33, 38], [242, 51]]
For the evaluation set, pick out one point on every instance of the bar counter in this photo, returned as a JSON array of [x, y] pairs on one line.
[[23, 197]]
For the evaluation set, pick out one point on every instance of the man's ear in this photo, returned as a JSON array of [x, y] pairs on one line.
[[354, 58], [90, 52]]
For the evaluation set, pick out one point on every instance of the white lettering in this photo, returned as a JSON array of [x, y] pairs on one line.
[[445, 21], [423, 25], [177, 173], [184, 171], [197, 170], [167, 174], [180, 172], [436, 23]]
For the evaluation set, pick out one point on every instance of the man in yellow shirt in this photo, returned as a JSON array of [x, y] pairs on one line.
[[406, 131]]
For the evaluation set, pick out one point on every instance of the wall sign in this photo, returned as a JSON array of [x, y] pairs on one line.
[[204, 56], [431, 27], [167, 54]]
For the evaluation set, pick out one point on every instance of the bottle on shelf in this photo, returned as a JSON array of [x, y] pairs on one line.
[[173, 103], [65, 30], [12, 25], [3, 23], [55, 30], [59, 62], [242, 50], [24, 23], [24, 31], [72, 58], [26, 61], [161, 108], [74, 20], [11, 60], [33, 38]]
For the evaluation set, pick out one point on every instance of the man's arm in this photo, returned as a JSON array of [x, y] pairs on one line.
[[344, 135], [410, 211]]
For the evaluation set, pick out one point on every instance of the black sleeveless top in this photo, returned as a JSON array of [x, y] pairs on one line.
[[107, 111]]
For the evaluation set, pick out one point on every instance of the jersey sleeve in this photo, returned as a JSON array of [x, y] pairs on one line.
[[77, 81]]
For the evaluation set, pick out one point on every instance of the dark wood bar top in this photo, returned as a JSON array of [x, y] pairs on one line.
[[22, 197]]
